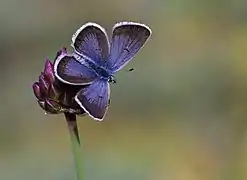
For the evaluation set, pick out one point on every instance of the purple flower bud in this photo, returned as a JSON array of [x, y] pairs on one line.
[[36, 90], [42, 104], [48, 71], [53, 92], [43, 84], [62, 52], [52, 107], [54, 96]]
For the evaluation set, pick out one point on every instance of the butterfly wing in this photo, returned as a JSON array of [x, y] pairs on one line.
[[91, 42], [70, 71], [127, 39], [94, 99]]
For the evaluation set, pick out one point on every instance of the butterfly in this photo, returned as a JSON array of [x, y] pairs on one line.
[[95, 60]]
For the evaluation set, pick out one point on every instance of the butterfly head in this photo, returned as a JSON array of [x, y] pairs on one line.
[[112, 79]]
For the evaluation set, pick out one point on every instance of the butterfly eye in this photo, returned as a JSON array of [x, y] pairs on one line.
[[112, 80]]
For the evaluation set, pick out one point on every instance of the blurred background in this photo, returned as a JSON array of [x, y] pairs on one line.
[[181, 115]]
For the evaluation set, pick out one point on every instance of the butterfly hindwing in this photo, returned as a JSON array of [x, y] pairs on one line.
[[94, 99]]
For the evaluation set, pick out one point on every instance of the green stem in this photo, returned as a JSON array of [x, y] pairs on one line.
[[75, 142]]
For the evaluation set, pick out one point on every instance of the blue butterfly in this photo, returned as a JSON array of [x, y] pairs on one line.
[[95, 60]]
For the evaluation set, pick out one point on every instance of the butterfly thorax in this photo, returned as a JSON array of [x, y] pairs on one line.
[[102, 72]]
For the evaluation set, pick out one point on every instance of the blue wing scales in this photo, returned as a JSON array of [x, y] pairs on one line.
[[71, 71], [94, 99], [91, 42], [127, 39]]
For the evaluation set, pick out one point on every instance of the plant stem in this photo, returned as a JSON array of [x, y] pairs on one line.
[[75, 142]]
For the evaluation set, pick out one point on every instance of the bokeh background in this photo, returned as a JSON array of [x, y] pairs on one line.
[[181, 115]]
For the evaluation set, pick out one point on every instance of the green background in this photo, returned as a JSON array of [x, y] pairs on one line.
[[181, 115]]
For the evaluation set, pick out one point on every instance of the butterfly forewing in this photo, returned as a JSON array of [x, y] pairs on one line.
[[91, 42], [95, 98], [71, 71], [127, 39]]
